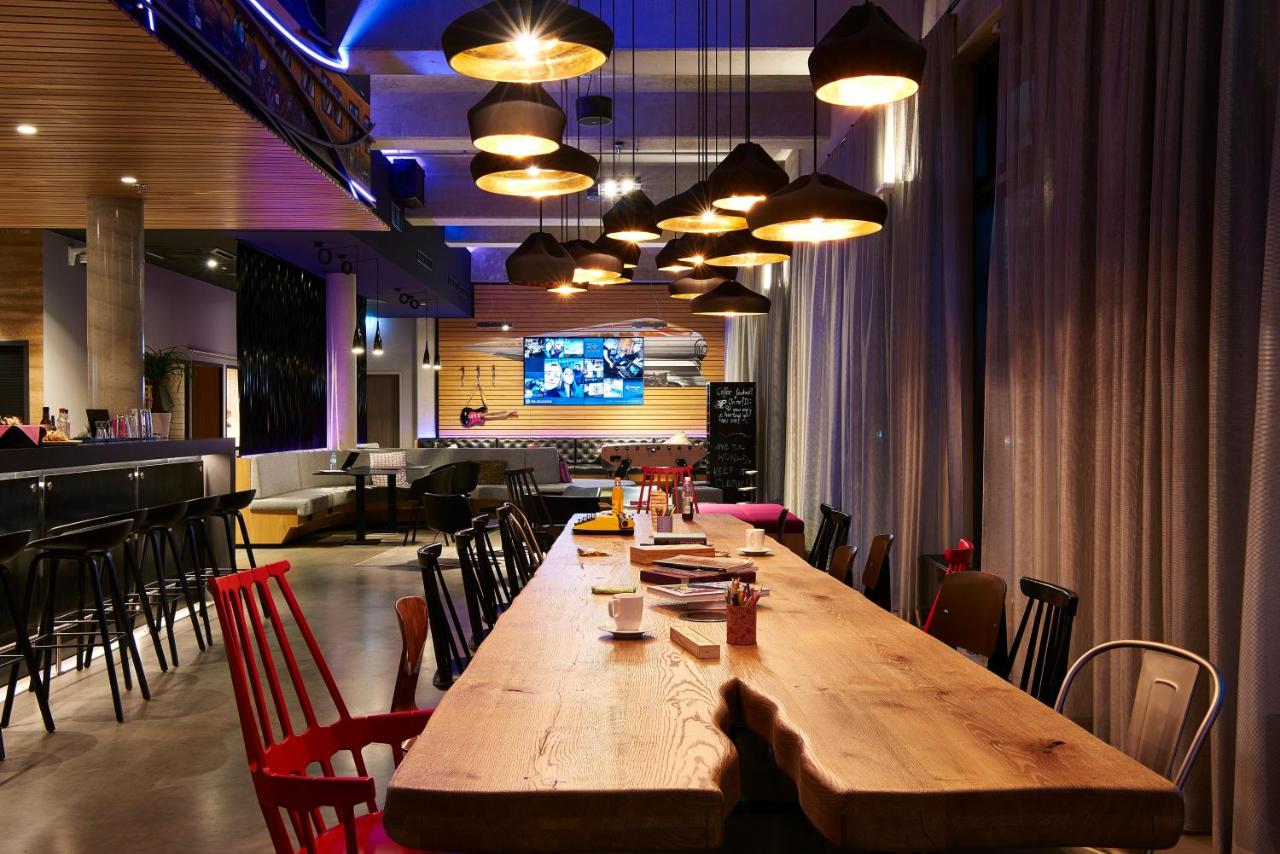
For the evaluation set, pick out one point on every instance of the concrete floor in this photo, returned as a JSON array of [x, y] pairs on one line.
[[173, 776]]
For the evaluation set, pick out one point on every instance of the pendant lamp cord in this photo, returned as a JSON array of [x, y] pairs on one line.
[[635, 135], [675, 110], [815, 96], [747, 108]]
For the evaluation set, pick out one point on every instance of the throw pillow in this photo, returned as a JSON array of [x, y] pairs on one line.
[[389, 460], [492, 471]]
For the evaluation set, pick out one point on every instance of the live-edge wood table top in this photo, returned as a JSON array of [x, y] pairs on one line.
[[559, 738]]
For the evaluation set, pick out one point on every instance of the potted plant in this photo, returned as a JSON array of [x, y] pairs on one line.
[[157, 367]]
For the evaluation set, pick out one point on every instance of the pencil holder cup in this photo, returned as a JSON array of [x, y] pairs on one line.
[[662, 523], [741, 625]]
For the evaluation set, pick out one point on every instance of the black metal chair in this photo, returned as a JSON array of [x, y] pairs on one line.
[[465, 477], [833, 531], [1048, 643], [170, 585], [448, 638], [197, 561], [11, 545], [445, 513], [86, 548], [230, 510], [136, 600], [877, 583], [449, 479]]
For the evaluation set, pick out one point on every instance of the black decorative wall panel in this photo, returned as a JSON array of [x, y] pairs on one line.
[[280, 336]]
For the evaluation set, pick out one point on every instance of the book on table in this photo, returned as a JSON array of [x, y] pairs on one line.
[[683, 568], [694, 593]]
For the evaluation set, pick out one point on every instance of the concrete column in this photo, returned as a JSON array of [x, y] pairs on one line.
[[113, 302], [340, 317]]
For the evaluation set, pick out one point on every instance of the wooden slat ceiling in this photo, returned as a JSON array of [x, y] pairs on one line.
[[110, 100]]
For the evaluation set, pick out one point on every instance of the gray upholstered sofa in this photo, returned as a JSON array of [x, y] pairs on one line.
[[292, 500]]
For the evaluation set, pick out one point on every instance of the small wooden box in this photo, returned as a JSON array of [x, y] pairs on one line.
[[648, 554], [695, 644]]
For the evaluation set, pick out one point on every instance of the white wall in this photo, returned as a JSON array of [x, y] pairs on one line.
[[183, 312], [177, 312], [66, 359], [398, 357]]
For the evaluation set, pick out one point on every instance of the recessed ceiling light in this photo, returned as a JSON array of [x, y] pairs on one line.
[[129, 179], [211, 263], [26, 130]]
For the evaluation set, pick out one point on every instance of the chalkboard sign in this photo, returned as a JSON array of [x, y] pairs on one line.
[[731, 438]]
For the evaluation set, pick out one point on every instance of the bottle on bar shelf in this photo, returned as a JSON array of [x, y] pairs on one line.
[[45, 421], [615, 499], [686, 500]]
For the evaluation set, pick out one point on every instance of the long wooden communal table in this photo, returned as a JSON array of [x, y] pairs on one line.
[[558, 738]]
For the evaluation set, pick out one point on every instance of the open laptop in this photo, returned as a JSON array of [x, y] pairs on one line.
[[350, 460]]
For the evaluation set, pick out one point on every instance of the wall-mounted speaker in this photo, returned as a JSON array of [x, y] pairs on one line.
[[408, 183]]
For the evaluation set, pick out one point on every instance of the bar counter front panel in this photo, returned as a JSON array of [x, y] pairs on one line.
[[41, 488]]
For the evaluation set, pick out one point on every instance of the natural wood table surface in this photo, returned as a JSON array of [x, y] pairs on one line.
[[559, 738]]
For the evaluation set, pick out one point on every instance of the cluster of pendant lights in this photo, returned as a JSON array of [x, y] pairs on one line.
[[744, 213]]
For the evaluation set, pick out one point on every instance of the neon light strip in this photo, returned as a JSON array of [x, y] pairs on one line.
[[358, 192], [151, 17], [342, 63]]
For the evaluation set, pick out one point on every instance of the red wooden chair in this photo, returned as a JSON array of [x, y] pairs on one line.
[[666, 478], [281, 751]]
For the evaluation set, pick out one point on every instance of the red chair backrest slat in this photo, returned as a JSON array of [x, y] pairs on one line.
[[271, 741]]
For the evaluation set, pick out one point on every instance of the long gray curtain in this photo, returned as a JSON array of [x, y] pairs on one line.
[[1133, 384], [864, 359]]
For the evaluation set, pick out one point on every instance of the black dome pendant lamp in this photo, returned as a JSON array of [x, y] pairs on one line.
[[699, 280], [744, 249], [731, 299], [668, 260], [866, 60], [516, 120], [563, 171], [748, 173], [817, 208], [539, 261], [526, 41]]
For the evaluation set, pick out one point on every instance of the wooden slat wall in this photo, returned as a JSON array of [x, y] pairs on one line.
[[534, 312], [109, 100], [22, 306]]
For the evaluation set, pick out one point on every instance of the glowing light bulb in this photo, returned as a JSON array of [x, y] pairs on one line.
[[533, 171], [527, 45], [26, 130], [816, 220]]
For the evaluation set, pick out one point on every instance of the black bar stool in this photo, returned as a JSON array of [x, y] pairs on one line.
[[229, 508], [87, 549], [196, 546], [134, 596], [11, 545], [167, 590]]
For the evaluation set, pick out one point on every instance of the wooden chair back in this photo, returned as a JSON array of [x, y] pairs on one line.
[[449, 642], [666, 478], [411, 614], [969, 612], [523, 492], [1051, 609], [833, 531], [521, 551], [493, 581], [842, 559], [877, 580], [477, 587]]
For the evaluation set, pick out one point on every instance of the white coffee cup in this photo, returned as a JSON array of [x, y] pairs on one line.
[[627, 611], [755, 539]]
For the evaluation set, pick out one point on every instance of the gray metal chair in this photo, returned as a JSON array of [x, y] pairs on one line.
[[1161, 702]]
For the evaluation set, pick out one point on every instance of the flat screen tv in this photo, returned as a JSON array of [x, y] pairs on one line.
[[562, 371]]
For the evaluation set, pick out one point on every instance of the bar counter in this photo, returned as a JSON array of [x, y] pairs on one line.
[[56, 484]]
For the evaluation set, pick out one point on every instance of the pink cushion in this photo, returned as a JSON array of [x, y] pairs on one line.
[[757, 516]]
